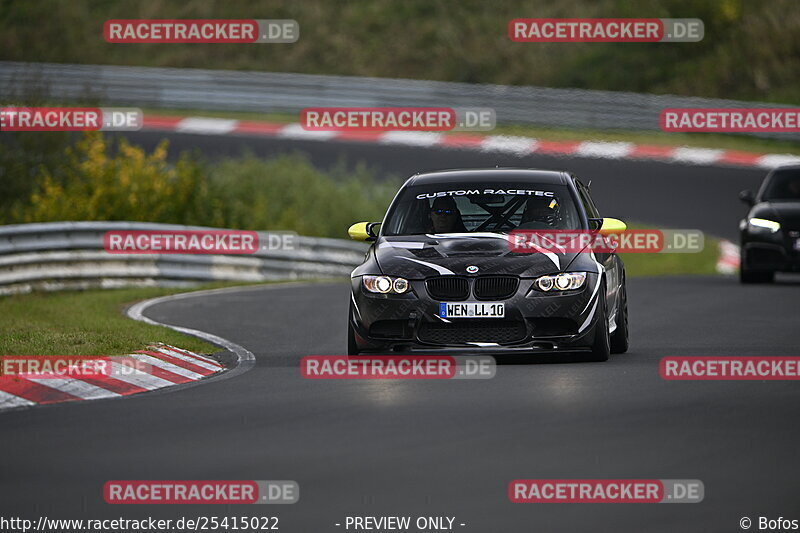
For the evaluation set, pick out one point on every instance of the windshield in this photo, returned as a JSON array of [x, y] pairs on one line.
[[783, 186], [491, 207]]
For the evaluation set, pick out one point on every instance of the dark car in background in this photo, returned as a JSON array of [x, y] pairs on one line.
[[770, 233], [440, 275]]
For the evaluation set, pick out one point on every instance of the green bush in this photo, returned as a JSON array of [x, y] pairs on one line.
[[287, 192], [283, 193], [24, 157], [130, 185]]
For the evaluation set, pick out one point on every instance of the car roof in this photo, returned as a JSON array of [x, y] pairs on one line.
[[488, 174]]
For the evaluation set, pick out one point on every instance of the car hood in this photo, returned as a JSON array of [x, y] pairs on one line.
[[422, 256], [787, 213]]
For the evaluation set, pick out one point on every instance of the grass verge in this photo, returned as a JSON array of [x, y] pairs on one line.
[[87, 323], [672, 264]]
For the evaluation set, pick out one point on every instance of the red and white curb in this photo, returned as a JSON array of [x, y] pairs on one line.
[[728, 261], [487, 143], [157, 367]]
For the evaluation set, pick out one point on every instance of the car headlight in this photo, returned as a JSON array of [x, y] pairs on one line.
[[385, 284], [566, 281], [763, 223]]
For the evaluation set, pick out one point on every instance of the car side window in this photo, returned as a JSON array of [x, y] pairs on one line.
[[586, 200]]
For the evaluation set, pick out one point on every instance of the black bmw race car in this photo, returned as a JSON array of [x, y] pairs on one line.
[[770, 233], [441, 276]]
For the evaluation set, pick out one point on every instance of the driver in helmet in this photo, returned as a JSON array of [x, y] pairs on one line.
[[445, 217], [541, 212]]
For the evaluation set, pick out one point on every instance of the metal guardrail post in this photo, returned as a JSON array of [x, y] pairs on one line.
[[265, 92]]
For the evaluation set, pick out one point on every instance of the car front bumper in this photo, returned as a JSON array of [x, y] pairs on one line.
[[533, 322], [770, 255]]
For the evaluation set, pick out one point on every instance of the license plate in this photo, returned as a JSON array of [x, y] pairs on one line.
[[472, 310]]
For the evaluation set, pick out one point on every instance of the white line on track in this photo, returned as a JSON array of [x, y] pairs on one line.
[[245, 358]]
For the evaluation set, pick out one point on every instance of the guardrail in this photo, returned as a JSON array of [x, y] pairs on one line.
[[70, 255], [266, 92]]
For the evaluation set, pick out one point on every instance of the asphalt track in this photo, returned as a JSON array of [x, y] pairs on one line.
[[450, 447]]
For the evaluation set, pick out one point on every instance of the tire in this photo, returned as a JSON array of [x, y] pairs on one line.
[[748, 276], [601, 348], [619, 339]]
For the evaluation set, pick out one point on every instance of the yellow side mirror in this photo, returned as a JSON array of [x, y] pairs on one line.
[[613, 225], [361, 231]]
